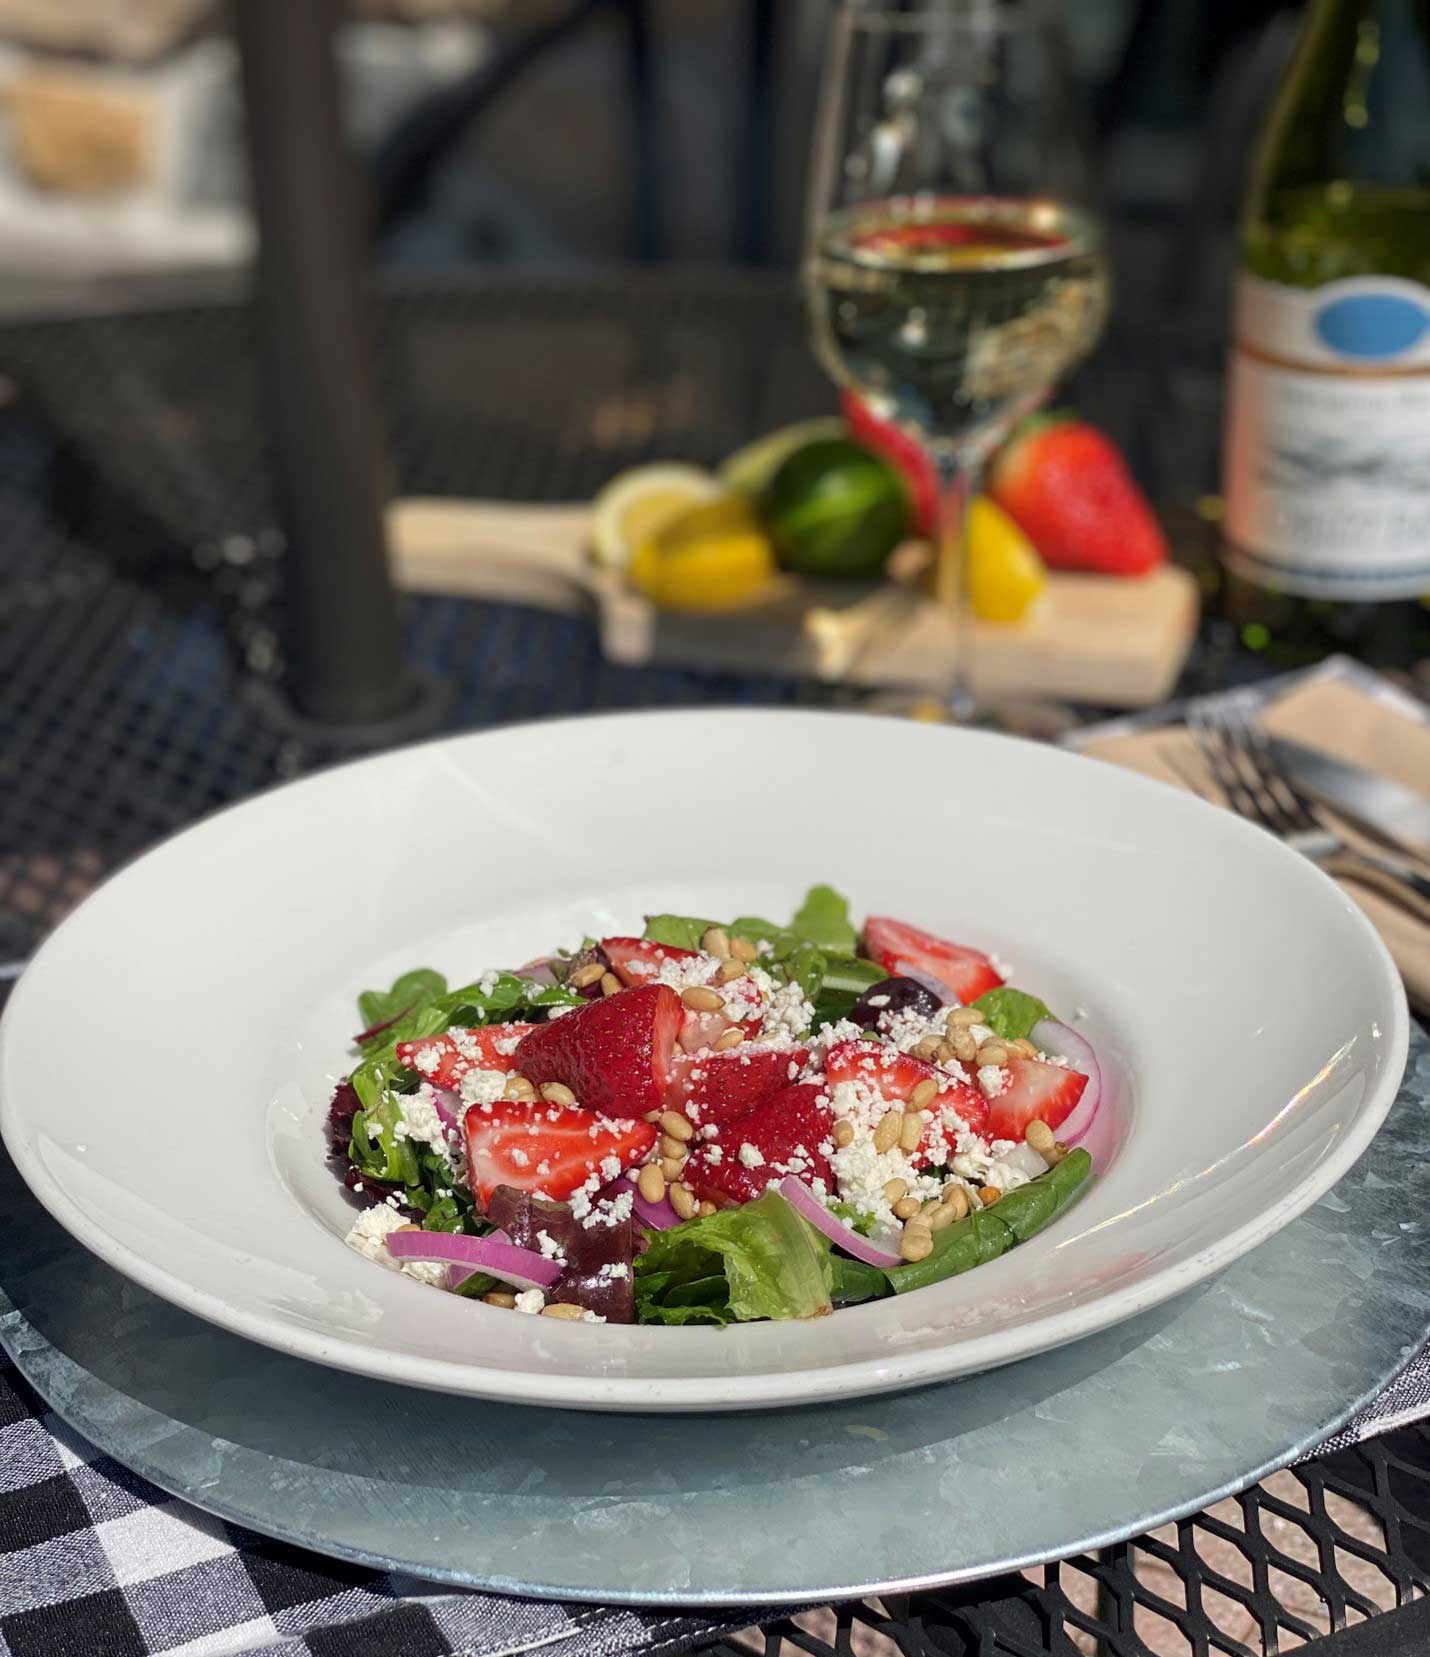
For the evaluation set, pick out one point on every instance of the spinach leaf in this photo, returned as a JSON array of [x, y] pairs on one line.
[[411, 992], [1011, 1013], [676, 931], [823, 920], [856, 1281]]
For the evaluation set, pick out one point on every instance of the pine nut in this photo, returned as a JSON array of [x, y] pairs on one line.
[[1055, 1153], [610, 984], [583, 977], [916, 1242], [651, 1184], [672, 1167], [927, 1049], [960, 1017], [895, 1189], [1040, 1136], [886, 1135], [992, 1052], [518, 1087], [906, 1207], [946, 1054], [911, 1131], [743, 950], [671, 1146], [924, 1093], [682, 1200], [955, 1200], [989, 1195], [714, 940], [399, 1228], [706, 1209], [1023, 1048], [677, 1126], [564, 1310], [729, 970], [843, 1132], [702, 1000], [651, 1116], [557, 1093], [499, 1297], [942, 1217], [965, 1048], [732, 1038]]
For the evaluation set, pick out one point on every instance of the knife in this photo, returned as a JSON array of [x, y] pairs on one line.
[[1394, 812]]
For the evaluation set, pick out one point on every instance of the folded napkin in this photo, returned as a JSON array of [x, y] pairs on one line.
[[1344, 710]]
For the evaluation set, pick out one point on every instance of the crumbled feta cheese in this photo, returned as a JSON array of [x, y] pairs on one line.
[[488, 981], [751, 1156], [1005, 1176], [550, 1248], [992, 1079], [715, 1155], [530, 1301], [482, 1087], [613, 1271], [686, 972], [787, 1014]]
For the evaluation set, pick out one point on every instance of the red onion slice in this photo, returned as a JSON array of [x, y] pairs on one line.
[[659, 1216], [1060, 1042], [449, 1107], [804, 1202], [523, 1267]]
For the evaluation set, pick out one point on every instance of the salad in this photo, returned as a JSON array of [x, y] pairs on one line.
[[712, 1122]]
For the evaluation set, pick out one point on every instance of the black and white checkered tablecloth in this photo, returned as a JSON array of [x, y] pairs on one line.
[[95, 1562]]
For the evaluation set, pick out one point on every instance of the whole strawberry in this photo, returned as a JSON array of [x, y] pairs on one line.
[[1069, 490]]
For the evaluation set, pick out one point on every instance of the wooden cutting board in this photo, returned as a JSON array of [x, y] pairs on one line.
[[1120, 643]]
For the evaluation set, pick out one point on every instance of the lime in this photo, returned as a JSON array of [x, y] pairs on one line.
[[832, 509], [749, 470], [634, 505]]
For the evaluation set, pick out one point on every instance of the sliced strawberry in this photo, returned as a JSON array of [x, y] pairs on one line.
[[548, 1149], [714, 1087], [1034, 1092], [964, 973], [446, 1058], [788, 1134], [896, 1075], [637, 960], [614, 1054]]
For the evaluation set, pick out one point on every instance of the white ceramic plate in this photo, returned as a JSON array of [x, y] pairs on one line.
[[165, 1062]]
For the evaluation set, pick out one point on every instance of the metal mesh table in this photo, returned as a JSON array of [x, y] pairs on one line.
[[140, 638]]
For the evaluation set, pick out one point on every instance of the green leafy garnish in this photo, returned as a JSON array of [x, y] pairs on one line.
[[856, 1281], [675, 931], [412, 991], [772, 1265], [1011, 1014], [823, 920]]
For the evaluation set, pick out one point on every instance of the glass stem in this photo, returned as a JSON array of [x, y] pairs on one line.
[[956, 467]]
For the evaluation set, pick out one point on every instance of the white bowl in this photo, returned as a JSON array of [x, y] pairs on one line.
[[165, 1063]]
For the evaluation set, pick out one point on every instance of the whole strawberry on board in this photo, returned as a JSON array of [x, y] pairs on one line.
[[1067, 486]]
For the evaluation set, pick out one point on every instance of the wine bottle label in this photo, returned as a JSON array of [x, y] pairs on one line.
[[1328, 438]]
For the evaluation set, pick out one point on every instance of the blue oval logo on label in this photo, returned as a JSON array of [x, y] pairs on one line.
[[1372, 326]]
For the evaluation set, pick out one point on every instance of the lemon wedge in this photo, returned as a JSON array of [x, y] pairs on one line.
[[1005, 575], [635, 505], [710, 558]]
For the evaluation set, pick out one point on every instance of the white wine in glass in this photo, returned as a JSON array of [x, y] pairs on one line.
[[953, 270]]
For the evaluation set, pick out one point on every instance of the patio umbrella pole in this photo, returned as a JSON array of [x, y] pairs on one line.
[[321, 389]]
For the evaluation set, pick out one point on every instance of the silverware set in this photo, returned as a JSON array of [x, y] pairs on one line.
[[1247, 770]]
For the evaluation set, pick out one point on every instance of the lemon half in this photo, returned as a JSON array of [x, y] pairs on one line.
[[636, 505]]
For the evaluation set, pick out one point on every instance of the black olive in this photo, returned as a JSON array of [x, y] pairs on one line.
[[893, 995]]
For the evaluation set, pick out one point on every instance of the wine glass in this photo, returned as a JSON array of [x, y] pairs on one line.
[[953, 270]]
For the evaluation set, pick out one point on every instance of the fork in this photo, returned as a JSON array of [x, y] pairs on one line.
[[1235, 753]]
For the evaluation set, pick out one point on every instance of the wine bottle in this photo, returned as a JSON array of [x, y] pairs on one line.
[[1327, 449]]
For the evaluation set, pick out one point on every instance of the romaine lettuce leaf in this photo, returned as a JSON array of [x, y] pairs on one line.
[[773, 1265]]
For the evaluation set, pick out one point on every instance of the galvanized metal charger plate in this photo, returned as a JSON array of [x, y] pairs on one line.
[[1071, 1450]]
